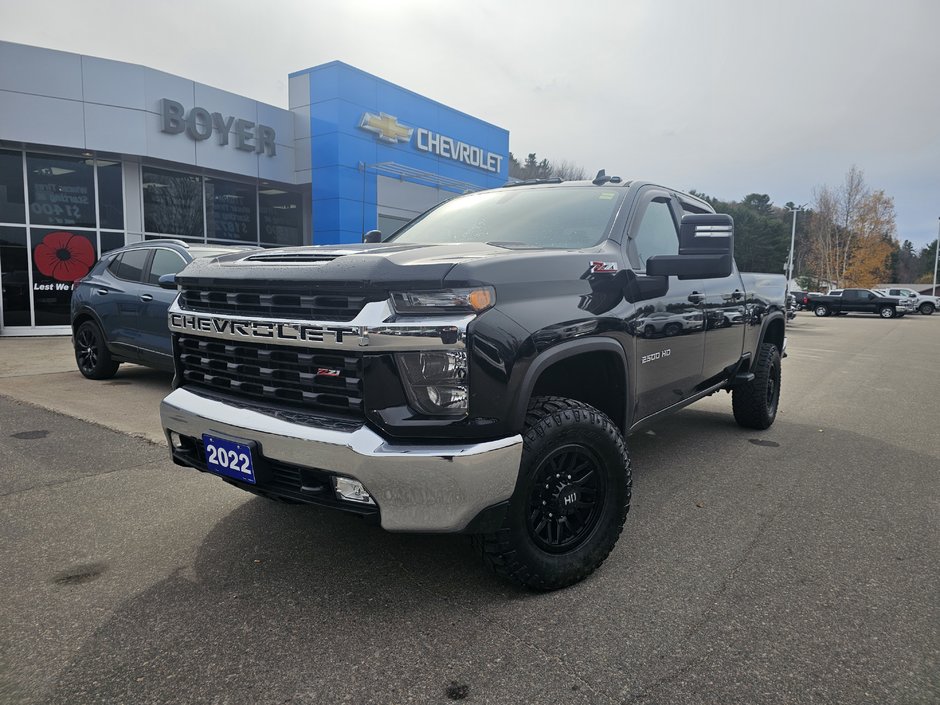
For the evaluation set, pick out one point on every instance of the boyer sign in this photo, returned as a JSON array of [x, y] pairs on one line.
[[199, 124]]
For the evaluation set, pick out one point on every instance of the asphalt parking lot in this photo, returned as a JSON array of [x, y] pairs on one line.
[[795, 565]]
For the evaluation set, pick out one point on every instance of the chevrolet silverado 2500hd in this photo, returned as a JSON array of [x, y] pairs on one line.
[[479, 370]]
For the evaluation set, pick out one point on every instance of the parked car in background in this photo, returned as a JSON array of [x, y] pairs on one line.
[[844, 301], [119, 309]]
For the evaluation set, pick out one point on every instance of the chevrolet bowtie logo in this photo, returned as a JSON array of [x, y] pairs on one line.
[[386, 127]]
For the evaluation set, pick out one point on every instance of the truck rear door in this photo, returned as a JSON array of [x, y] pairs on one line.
[[725, 319]]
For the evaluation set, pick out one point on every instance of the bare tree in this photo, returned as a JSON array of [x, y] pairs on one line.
[[852, 232], [823, 234], [568, 171], [851, 196]]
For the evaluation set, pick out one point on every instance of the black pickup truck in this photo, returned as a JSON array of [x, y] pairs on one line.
[[479, 370], [854, 301]]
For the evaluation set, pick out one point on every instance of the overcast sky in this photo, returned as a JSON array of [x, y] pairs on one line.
[[727, 97]]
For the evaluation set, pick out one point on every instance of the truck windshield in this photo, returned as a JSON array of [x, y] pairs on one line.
[[564, 218]]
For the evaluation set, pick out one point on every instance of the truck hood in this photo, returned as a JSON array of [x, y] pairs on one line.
[[366, 265]]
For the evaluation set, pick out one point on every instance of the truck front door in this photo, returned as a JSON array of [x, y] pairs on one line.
[[669, 331]]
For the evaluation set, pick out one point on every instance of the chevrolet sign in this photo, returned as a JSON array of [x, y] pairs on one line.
[[386, 128]]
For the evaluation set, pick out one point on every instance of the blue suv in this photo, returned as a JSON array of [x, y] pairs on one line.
[[119, 308]]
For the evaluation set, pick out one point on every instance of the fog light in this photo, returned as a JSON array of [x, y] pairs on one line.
[[351, 490]]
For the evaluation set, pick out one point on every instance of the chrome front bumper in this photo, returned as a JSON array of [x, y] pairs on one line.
[[433, 488]]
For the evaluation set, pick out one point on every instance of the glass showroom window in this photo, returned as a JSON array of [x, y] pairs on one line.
[[173, 203], [61, 190], [68, 210], [231, 212], [14, 277], [281, 217], [12, 200]]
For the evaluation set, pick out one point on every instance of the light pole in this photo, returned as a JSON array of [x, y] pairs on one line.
[[792, 242], [936, 258]]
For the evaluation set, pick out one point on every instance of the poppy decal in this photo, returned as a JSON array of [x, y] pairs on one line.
[[64, 257]]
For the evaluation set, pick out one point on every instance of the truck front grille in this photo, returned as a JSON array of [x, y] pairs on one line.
[[319, 306], [324, 380]]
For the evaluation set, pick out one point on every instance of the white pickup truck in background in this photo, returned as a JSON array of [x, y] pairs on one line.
[[924, 303]]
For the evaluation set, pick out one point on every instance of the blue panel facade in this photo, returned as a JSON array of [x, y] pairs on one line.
[[362, 126]]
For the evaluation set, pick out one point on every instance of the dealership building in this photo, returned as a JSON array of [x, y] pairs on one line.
[[114, 153]]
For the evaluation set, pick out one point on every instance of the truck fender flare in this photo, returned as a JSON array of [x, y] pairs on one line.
[[768, 321], [559, 352]]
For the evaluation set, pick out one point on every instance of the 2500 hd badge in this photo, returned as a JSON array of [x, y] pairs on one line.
[[655, 356]]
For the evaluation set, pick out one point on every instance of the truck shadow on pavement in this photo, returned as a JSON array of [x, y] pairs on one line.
[[294, 604]]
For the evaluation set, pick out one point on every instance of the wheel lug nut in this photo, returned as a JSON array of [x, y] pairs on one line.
[[550, 515], [544, 502]]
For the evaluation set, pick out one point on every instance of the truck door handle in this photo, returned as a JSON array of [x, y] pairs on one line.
[[737, 294], [102, 291], [696, 298], [146, 297]]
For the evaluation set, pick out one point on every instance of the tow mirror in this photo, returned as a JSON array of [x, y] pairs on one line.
[[167, 281], [706, 249], [372, 236]]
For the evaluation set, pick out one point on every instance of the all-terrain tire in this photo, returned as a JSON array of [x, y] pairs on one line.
[[755, 403], [91, 352], [927, 308], [567, 436], [821, 310]]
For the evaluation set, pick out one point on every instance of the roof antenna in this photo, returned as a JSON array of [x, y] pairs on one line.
[[601, 178]]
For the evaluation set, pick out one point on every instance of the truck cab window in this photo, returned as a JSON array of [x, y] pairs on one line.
[[657, 233]]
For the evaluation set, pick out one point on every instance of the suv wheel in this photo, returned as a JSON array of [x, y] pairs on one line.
[[821, 310], [571, 499], [886, 312], [927, 308], [755, 403], [91, 352]]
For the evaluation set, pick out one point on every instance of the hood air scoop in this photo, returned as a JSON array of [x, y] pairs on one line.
[[294, 257]]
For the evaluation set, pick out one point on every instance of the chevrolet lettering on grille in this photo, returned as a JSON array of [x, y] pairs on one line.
[[288, 333]]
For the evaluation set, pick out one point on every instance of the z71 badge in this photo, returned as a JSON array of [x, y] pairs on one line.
[[604, 267]]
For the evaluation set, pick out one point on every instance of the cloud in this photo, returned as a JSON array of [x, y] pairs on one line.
[[728, 97]]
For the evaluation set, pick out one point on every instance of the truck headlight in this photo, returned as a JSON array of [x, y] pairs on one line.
[[473, 300], [436, 382]]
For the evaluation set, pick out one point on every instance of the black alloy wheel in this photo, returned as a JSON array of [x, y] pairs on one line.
[[565, 496], [91, 353], [571, 498]]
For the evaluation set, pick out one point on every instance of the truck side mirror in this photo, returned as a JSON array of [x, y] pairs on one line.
[[372, 236], [706, 249]]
